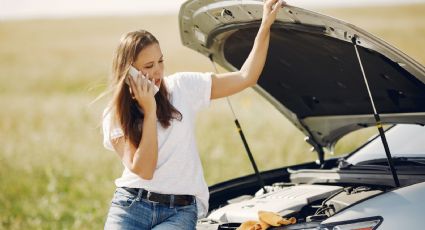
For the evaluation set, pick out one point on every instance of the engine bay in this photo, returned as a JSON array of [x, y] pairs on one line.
[[308, 203]]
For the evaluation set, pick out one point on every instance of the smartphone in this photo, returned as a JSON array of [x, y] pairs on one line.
[[134, 73]]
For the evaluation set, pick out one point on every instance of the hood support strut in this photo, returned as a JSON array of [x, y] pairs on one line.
[[245, 143], [377, 118]]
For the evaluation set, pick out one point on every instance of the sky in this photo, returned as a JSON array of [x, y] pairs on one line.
[[25, 9]]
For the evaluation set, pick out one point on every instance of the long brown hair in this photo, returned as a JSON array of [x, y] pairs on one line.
[[125, 110]]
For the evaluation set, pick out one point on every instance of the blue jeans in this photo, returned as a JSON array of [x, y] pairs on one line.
[[128, 211]]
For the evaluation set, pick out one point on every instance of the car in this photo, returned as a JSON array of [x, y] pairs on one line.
[[329, 78]]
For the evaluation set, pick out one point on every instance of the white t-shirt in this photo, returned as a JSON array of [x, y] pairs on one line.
[[179, 169]]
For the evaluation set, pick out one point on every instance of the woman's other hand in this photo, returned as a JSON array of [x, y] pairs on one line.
[[270, 10]]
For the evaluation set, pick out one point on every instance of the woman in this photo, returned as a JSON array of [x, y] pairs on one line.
[[162, 186]]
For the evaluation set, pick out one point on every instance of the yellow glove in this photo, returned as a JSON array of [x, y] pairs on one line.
[[275, 219], [267, 219]]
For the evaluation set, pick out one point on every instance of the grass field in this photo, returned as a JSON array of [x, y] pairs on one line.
[[55, 173]]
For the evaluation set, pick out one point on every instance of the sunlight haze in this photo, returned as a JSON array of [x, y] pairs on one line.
[[22, 9]]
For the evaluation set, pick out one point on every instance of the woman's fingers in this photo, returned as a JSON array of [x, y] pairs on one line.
[[132, 87], [149, 82], [141, 86], [270, 10], [146, 83], [141, 83], [277, 6], [269, 4]]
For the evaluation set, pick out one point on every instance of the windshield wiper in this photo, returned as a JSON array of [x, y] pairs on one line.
[[381, 164], [398, 161]]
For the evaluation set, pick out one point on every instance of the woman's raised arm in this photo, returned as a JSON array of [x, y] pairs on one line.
[[226, 84]]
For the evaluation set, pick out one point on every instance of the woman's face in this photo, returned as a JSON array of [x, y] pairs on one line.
[[150, 61]]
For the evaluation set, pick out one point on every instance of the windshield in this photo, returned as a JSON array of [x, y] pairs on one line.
[[403, 141]]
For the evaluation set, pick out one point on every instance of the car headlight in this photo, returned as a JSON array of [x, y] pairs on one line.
[[369, 223]]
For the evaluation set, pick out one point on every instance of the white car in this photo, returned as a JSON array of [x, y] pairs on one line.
[[316, 75]]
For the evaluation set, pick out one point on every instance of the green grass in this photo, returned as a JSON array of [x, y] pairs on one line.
[[55, 173]]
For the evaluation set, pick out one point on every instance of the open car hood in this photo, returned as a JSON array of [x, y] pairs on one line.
[[312, 74]]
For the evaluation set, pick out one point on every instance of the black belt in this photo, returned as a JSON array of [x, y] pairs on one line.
[[167, 199]]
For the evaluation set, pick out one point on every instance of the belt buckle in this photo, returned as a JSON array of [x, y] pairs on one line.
[[148, 196]]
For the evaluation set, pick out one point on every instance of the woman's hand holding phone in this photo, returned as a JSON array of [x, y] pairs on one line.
[[143, 90], [135, 73]]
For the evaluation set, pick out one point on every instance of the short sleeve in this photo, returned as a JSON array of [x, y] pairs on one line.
[[110, 131], [197, 87]]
